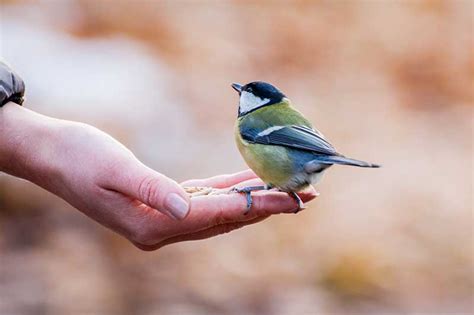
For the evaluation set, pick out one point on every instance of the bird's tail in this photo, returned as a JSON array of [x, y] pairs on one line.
[[339, 159]]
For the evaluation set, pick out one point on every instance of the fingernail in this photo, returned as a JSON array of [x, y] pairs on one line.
[[176, 206]]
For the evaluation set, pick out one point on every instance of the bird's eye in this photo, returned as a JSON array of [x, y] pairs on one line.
[[249, 89]]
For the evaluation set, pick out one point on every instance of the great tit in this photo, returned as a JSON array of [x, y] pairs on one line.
[[279, 144]]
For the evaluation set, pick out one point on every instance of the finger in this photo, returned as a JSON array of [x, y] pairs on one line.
[[148, 227], [249, 183], [306, 195], [199, 235], [221, 181], [151, 188], [212, 210]]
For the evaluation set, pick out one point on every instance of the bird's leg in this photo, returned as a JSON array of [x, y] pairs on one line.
[[247, 191], [298, 201]]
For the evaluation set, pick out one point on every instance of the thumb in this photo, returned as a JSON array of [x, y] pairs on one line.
[[156, 191]]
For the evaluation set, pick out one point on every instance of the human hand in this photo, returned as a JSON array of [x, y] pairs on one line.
[[103, 179], [212, 215]]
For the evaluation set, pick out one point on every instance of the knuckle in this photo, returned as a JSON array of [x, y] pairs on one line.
[[149, 189], [258, 204]]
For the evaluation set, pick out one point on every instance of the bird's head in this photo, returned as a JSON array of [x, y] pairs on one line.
[[255, 95]]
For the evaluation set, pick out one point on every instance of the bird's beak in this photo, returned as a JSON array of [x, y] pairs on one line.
[[237, 87]]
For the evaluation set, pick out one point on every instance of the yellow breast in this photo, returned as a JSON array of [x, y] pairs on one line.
[[271, 163]]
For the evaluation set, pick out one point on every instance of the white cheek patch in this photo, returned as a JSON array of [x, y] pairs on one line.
[[249, 102]]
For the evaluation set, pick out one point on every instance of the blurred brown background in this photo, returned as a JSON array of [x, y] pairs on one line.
[[389, 82]]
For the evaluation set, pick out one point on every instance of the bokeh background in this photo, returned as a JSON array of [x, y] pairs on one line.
[[387, 81]]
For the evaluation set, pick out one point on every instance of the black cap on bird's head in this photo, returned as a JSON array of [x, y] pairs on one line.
[[255, 95]]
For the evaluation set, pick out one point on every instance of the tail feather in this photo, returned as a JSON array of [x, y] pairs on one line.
[[339, 159]]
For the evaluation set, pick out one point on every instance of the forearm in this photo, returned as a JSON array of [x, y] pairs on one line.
[[25, 142]]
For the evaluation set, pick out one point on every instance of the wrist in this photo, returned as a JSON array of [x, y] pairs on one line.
[[25, 143]]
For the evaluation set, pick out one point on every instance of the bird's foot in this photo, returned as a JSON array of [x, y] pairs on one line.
[[247, 191], [298, 200]]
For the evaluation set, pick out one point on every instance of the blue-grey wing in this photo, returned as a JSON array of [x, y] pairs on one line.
[[296, 137]]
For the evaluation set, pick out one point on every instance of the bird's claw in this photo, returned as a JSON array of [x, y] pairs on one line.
[[248, 196], [247, 191], [298, 200]]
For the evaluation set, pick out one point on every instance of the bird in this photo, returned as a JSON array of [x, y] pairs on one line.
[[279, 144]]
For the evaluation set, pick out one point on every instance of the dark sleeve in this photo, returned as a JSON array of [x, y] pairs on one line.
[[12, 87]]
